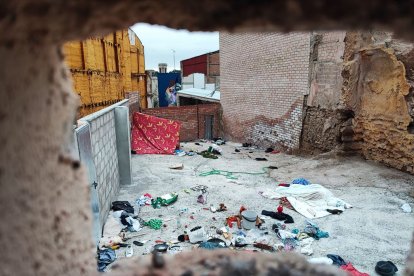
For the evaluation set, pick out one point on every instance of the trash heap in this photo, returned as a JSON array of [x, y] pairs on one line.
[[243, 229]]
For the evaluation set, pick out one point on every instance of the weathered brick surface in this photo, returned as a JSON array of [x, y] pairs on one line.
[[325, 69], [263, 80], [213, 64], [133, 103], [191, 118]]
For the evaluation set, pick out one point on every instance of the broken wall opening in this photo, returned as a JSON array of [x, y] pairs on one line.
[[31, 34]]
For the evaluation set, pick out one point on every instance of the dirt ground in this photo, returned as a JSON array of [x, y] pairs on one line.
[[374, 229]]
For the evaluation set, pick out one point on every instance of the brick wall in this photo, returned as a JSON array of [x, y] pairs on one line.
[[263, 80], [326, 67], [133, 103], [191, 118], [213, 64]]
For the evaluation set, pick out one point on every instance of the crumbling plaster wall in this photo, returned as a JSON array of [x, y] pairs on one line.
[[322, 123], [44, 195], [376, 89]]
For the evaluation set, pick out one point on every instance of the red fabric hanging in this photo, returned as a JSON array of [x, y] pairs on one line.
[[153, 135]]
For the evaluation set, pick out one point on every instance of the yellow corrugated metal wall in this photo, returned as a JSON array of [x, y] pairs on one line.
[[104, 68]]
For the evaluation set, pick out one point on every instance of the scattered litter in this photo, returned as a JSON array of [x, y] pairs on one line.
[[301, 181], [178, 166], [352, 271], [197, 234], [213, 209], [248, 219], [219, 142], [105, 257], [154, 224], [164, 200], [222, 207], [230, 174], [268, 150], [406, 208], [336, 259], [213, 244], [122, 206], [321, 260], [335, 211], [137, 243], [310, 201], [386, 268], [313, 230], [108, 242], [161, 248], [305, 245], [260, 159], [207, 154], [144, 200], [179, 152], [279, 216], [202, 198], [129, 252]]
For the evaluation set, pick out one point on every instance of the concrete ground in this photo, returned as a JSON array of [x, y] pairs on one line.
[[375, 229]]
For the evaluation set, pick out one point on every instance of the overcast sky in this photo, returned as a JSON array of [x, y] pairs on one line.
[[159, 41]]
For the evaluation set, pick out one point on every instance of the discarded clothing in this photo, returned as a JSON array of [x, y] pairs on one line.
[[320, 260], [122, 205], [260, 159], [336, 259], [279, 216], [386, 268], [352, 270], [213, 244], [207, 154], [144, 200], [105, 257], [335, 211], [310, 201], [153, 135], [305, 245], [301, 181], [313, 231]]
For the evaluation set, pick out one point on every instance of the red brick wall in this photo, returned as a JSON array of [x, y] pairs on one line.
[[213, 68], [191, 118], [264, 78], [133, 103]]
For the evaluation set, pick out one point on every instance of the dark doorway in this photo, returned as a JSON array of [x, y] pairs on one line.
[[208, 127]]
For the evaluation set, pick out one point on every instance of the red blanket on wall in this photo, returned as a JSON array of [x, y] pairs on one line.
[[153, 135]]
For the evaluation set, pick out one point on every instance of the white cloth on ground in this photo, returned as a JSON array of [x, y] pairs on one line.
[[310, 201]]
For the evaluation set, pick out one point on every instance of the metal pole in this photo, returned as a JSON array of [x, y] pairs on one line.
[[173, 56]]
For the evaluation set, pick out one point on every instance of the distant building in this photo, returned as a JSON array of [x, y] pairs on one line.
[[105, 69], [207, 64], [152, 88], [162, 67]]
